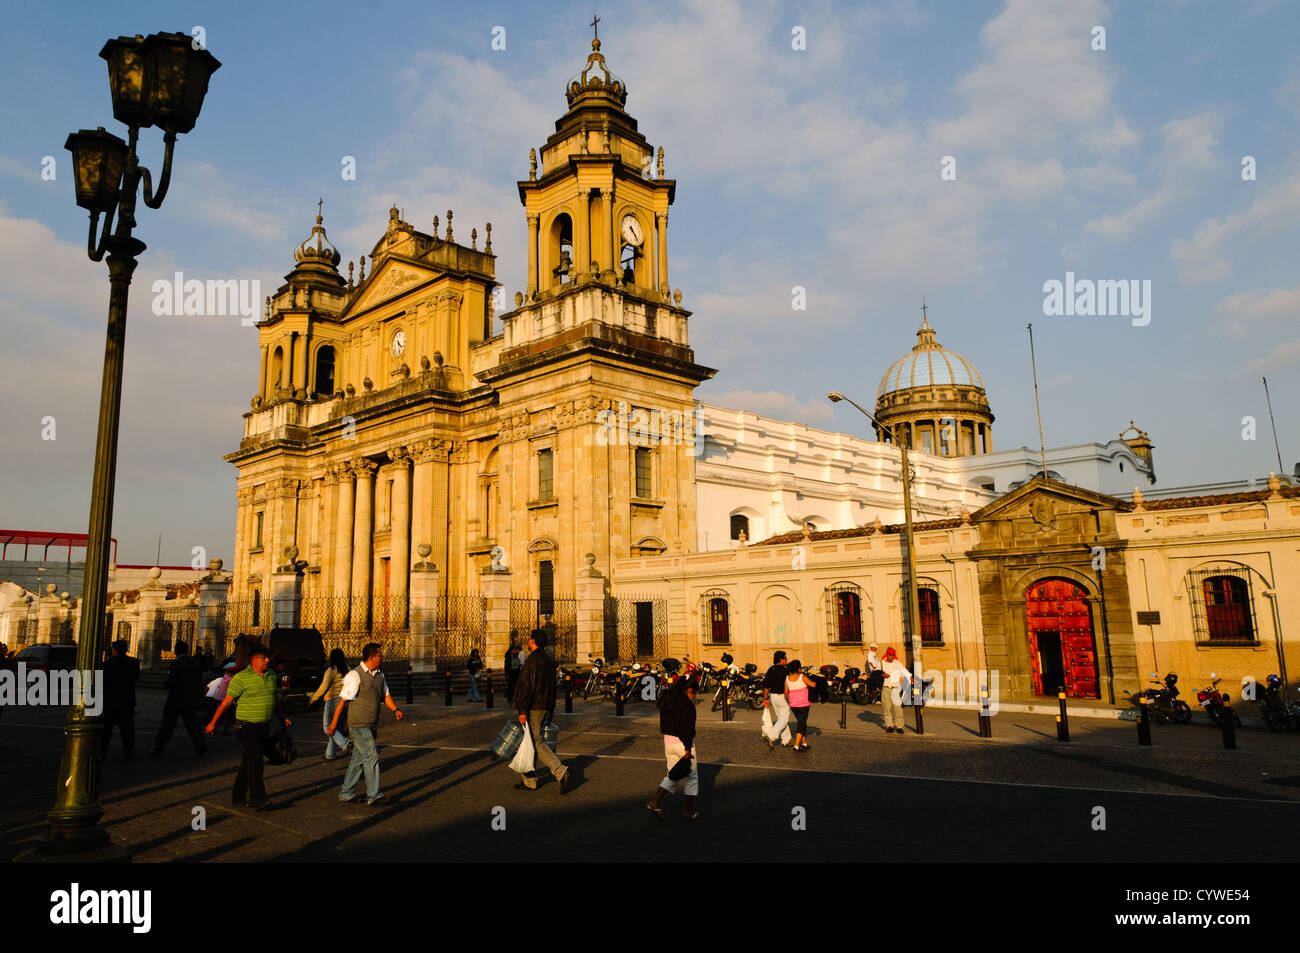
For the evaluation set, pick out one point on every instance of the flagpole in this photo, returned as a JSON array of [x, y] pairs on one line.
[[1277, 449], [1042, 451]]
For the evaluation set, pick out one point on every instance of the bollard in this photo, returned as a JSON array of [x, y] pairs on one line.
[[916, 707], [447, 700], [410, 685], [1144, 722], [1062, 720], [726, 700], [568, 693], [986, 721], [844, 713], [491, 695], [1229, 730], [619, 698]]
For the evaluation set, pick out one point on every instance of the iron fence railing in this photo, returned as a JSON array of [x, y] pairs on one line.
[[174, 624], [636, 628], [557, 617], [460, 628]]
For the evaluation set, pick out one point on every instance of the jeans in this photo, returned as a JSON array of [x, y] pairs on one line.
[[780, 720], [541, 750], [473, 688], [365, 760], [674, 751], [248, 781], [338, 742], [169, 717], [893, 709]]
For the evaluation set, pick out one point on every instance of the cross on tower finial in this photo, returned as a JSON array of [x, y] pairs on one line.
[[924, 317], [594, 27], [319, 205]]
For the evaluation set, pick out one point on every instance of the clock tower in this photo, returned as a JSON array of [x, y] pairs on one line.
[[595, 375]]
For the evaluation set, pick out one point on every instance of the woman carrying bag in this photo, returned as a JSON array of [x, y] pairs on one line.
[[331, 686], [677, 722]]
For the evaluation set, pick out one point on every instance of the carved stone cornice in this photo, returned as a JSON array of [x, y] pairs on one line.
[[245, 496], [400, 456], [363, 468], [284, 487], [421, 451]]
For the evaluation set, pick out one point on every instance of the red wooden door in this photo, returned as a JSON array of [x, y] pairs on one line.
[[1060, 606]]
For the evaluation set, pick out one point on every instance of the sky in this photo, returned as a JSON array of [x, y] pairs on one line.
[[963, 153]]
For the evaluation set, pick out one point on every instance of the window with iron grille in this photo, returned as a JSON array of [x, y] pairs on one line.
[[717, 617], [1222, 606], [928, 607], [844, 613], [643, 484], [545, 475]]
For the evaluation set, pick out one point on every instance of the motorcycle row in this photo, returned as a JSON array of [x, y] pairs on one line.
[[1164, 705], [741, 685]]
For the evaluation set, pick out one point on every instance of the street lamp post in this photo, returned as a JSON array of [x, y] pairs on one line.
[[156, 80], [913, 609]]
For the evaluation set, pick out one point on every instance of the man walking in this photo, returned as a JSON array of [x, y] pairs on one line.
[[257, 702], [121, 672], [365, 690], [184, 695], [534, 699], [775, 702], [677, 722]]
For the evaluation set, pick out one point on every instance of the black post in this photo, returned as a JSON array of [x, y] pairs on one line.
[[568, 693], [619, 698], [1229, 730], [410, 685], [1062, 720], [844, 713], [1144, 722], [917, 704], [491, 695], [986, 721], [726, 700], [447, 684]]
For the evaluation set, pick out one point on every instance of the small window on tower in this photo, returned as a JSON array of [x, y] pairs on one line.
[[643, 487], [545, 475]]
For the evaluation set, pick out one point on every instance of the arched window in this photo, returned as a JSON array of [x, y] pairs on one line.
[[562, 249], [717, 617], [325, 371], [277, 370], [740, 524], [1227, 609], [927, 600], [844, 613]]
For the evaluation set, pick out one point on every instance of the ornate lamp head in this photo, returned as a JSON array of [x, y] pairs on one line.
[[98, 158]]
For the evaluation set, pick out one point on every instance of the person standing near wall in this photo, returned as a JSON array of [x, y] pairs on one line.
[[891, 698]]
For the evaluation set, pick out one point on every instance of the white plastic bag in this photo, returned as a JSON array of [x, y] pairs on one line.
[[767, 721], [523, 759]]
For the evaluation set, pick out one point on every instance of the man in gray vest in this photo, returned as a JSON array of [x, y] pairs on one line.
[[364, 691]]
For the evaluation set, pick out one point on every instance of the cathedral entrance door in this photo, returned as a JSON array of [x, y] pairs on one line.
[[1062, 649]]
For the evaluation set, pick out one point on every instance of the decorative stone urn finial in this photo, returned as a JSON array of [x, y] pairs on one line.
[[1137, 499], [215, 564], [424, 549]]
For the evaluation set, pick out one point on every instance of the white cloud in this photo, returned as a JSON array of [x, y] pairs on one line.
[[771, 403]]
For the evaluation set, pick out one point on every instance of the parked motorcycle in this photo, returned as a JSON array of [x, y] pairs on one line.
[[866, 691], [1216, 704], [1272, 706], [600, 682], [1163, 703]]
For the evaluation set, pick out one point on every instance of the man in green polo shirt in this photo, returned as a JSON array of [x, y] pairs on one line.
[[254, 692]]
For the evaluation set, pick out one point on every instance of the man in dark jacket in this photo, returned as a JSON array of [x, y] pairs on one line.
[[534, 699], [677, 722], [121, 672], [184, 695]]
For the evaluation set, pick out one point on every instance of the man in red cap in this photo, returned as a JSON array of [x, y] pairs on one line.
[[896, 681]]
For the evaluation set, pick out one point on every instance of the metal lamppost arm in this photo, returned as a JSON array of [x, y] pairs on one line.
[[912, 627]]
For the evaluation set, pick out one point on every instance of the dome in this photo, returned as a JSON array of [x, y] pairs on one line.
[[928, 364], [319, 250], [596, 78]]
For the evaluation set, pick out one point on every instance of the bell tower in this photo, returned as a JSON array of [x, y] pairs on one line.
[[593, 371]]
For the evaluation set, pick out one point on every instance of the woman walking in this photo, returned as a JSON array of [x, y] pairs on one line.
[[474, 666], [331, 686], [796, 696], [677, 722]]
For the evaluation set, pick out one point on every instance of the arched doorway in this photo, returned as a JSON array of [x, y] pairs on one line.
[[1062, 650]]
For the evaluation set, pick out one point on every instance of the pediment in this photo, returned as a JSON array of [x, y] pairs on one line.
[[393, 279], [1043, 500]]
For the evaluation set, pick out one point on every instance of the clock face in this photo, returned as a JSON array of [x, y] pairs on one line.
[[399, 343], [631, 230]]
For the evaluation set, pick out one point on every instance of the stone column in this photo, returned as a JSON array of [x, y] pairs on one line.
[[661, 223], [261, 380], [424, 612], [214, 591], [422, 491], [609, 244], [532, 256], [300, 361], [361, 537], [47, 616], [495, 587], [399, 521], [286, 591], [148, 607], [343, 531], [591, 610], [582, 248]]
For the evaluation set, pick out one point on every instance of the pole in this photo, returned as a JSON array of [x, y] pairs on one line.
[[74, 819], [1063, 719], [1042, 453], [913, 608], [1273, 422]]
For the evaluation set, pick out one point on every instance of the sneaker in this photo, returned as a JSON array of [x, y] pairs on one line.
[[771, 745], [375, 800], [693, 816], [656, 811], [347, 800], [564, 782], [524, 786]]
